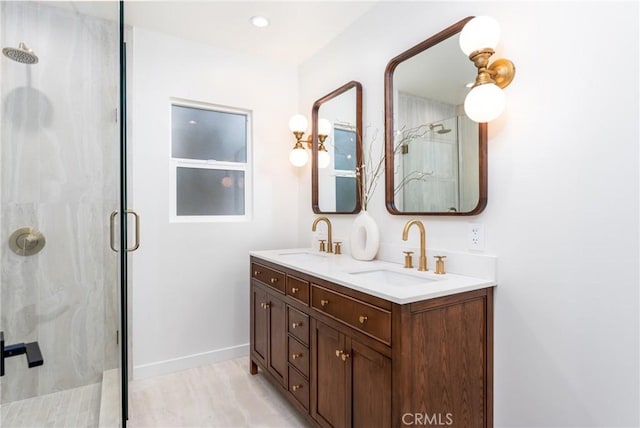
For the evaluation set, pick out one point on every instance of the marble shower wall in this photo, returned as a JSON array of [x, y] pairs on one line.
[[59, 173]]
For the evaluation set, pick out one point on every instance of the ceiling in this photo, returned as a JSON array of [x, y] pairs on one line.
[[297, 29]]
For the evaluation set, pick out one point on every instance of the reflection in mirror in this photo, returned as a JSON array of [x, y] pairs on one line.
[[435, 155], [337, 125]]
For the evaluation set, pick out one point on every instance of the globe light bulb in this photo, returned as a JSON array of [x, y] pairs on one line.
[[323, 159], [485, 103], [298, 156], [298, 123], [479, 33], [324, 127]]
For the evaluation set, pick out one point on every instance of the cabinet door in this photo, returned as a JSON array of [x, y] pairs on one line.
[[452, 342], [259, 326], [331, 404], [370, 387], [277, 361]]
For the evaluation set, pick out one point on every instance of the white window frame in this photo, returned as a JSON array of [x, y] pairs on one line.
[[246, 167]]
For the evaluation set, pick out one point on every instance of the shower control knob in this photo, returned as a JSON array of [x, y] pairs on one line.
[[26, 241]]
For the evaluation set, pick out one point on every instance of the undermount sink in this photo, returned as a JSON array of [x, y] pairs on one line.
[[391, 277]]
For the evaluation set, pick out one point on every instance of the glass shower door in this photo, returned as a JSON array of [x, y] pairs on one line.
[[60, 180]]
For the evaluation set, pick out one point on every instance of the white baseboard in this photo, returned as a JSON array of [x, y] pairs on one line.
[[189, 361]]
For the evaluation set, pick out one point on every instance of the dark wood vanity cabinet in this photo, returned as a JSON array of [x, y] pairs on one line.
[[269, 331], [353, 384], [349, 359]]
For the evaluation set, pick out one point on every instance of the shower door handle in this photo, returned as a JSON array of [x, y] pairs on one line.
[[112, 243], [136, 245]]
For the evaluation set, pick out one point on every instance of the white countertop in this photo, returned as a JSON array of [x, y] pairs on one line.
[[389, 281]]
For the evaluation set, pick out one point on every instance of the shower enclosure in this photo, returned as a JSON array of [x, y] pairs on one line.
[[62, 175]]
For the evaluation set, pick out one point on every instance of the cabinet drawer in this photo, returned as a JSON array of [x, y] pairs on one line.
[[298, 289], [299, 387], [299, 325], [362, 316], [268, 276], [299, 356]]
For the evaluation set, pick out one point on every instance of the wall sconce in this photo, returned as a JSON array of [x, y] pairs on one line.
[[486, 100], [298, 155], [324, 129], [298, 125]]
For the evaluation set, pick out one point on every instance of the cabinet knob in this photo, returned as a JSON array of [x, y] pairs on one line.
[[294, 290], [256, 272], [324, 302], [344, 356], [296, 387], [296, 324], [274, 280], [265, 305], [339, 352], [296, 356], [362, 319]]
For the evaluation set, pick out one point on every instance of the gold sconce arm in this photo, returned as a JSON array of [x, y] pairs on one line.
[[298, 155], [501, 71]]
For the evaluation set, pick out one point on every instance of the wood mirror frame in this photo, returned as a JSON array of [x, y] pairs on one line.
[[389, 130], [315, 198]]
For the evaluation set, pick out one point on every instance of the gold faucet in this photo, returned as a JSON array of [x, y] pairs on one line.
[[422, 264], [329, 242]]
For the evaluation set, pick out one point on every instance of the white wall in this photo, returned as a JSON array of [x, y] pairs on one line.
[[191, 281], [563, 196]]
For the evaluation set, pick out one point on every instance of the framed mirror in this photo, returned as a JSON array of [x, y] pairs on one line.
[[435, 156], [337, 150]]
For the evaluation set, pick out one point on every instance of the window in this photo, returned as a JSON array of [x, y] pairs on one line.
[[210, 163], [345, 167]]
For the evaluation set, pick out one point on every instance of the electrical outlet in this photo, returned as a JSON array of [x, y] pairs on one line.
[[476, 236]]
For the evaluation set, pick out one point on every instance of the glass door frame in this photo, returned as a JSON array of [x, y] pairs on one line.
[[124, 336]]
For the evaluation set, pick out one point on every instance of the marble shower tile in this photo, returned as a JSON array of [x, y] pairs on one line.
[[58, 162]]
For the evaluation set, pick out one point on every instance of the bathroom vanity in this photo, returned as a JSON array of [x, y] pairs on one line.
[[365, 344]]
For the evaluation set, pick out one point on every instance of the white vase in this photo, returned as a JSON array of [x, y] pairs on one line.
[[365, 237]]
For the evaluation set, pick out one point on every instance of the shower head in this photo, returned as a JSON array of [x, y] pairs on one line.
[[21, 54], [443, 130]]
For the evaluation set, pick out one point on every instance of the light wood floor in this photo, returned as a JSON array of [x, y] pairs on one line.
[[217, 395]]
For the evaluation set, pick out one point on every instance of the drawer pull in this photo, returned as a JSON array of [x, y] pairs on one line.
[[296, 387], [344, 356], [363, 319], [274, 280], [296, 324], [265, 305], [296, 356], [294, 290], [324, 302], [256, 272]]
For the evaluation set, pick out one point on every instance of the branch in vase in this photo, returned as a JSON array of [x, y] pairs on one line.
[[412, 176]]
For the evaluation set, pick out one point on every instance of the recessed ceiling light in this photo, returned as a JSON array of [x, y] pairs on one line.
[[192, 122], [259, 21]]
